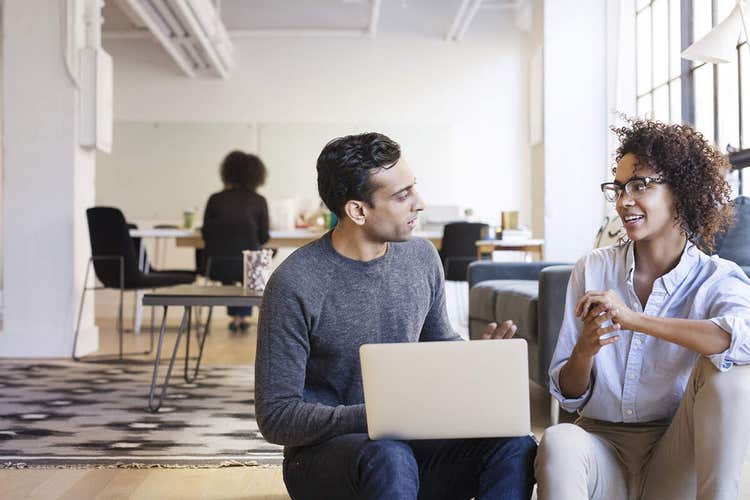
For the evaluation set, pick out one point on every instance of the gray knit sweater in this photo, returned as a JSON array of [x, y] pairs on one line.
[[318, 308]]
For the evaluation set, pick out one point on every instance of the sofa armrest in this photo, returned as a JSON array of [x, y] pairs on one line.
[[553, 287], [484, 270]]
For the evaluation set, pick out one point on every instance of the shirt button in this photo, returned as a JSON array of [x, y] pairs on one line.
[[631, 376], [635, 305], [629, 412]]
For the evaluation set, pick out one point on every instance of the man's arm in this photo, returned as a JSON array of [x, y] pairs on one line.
[[284, 417], [437, 326]]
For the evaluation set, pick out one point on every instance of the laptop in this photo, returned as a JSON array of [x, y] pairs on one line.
[[446, 390]]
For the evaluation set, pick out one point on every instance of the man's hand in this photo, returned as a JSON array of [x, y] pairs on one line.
[[590, 341], [505, 330]]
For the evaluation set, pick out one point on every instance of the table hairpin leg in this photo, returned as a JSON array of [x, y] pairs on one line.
[[201, 341], [154, 407]]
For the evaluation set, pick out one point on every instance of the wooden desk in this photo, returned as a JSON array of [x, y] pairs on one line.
[[535, 247], [188, 296], [292, 238]]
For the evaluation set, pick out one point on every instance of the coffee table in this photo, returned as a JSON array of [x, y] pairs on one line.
[[189, 296]]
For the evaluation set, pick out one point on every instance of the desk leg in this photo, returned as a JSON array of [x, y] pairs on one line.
[[201, 341], [154, 407]]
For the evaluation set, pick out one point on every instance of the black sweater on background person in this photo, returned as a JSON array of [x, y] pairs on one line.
[[239, 207]]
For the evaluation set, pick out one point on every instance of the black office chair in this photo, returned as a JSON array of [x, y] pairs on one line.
[[224, 242], [458, 247], [147, 266], [734, 245], [113, 254]]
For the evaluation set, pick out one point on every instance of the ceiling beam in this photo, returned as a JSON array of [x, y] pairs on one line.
[[161, 32], [374, 18], [471, 12], [255, 33], [457, 20], [197, 33]]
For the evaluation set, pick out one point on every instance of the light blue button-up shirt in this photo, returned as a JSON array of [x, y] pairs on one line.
[[641, 378]]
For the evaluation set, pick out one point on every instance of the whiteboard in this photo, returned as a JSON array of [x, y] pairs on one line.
[[157, 170]]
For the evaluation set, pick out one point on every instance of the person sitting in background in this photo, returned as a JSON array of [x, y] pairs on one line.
[[235, 219], [654, 337]]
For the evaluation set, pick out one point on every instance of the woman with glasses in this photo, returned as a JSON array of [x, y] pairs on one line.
[[654, 337]]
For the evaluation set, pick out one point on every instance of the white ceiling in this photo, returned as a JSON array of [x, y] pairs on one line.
[[431, 18]]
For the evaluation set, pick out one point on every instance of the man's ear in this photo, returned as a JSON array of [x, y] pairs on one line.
[[356, 211]]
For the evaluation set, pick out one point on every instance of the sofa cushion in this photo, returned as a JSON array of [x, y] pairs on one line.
[[517, 301], [500, 300]]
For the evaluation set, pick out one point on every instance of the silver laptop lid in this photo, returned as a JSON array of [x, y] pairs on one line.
[[446, 390]]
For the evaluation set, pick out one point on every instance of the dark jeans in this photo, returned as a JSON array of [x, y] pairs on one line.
[[353, 466], [239, 311]]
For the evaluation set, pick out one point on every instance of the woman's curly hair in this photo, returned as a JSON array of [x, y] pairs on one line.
[[243, 170], [693, 169]]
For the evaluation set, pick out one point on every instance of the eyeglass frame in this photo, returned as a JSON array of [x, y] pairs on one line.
[[623, 186]]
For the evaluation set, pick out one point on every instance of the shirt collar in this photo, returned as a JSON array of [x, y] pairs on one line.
[[671, 280]]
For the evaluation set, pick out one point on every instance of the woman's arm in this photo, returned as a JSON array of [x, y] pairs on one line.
[[575, 375], [702, 336]]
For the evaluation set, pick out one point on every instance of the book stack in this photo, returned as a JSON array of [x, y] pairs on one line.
[[520, 234]]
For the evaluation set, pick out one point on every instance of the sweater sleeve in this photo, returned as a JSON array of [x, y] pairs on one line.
[[437, 326], [210, 211], [263, 222], [284, 417]]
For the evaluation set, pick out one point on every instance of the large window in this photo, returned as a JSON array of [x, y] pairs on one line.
[[658, 70], [707, 96]]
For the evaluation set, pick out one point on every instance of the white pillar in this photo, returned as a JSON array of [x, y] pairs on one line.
[[575, 125], [48, 183]]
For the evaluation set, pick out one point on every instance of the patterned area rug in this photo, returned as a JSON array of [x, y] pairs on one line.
[[93, 414]]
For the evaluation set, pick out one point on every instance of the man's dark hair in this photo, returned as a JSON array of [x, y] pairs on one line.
[[346, 164], [243, 170]]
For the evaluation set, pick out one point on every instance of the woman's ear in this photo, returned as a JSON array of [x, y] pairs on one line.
[[356, 211]]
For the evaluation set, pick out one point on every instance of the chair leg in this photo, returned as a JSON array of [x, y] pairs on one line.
[[554, 410], [201, 342], [120, 325], [151, 345], [120, 356], [80, 310]]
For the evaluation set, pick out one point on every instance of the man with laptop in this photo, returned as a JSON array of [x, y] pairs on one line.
[[368, 282]]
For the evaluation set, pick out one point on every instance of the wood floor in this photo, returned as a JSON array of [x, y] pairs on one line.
[[250, 483]]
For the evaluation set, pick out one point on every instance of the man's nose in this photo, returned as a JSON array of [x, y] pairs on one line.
[[418, 202]]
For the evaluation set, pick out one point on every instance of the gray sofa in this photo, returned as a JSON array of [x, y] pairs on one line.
[[532, 294]]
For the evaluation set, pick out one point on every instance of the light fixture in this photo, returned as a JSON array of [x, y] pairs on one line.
[[719, 44]]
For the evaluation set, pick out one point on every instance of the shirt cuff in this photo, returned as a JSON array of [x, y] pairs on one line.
[[723, 360], [570, 405]]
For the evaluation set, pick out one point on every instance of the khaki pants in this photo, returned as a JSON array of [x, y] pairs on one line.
[[698, 454]]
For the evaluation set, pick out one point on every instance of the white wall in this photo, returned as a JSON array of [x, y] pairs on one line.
[[575, 124], [474, 91], [47, 180]]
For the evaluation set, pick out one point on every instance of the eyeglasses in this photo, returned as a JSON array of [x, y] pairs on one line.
[[635, 187]]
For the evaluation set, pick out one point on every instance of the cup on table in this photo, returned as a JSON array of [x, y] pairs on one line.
[[188, 217]]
